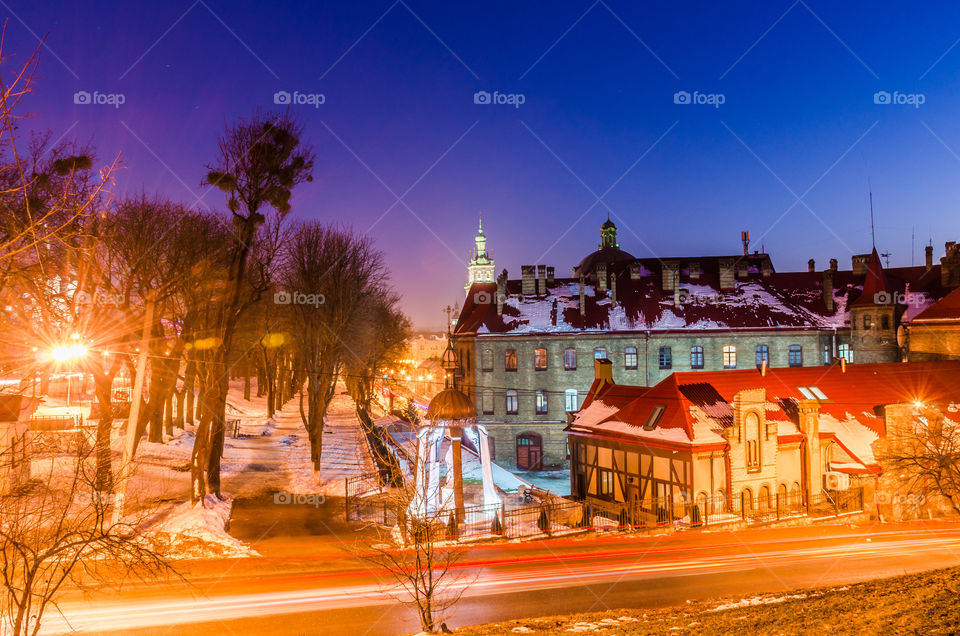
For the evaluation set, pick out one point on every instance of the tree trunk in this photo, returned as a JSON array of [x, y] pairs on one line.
[[103, 385], [168, 415], [189, 375], [246, 378]]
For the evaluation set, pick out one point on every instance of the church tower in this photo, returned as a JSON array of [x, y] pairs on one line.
[[608, 235], [873, 316], [480, 267]]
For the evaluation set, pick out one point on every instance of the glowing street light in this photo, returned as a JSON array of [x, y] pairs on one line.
[[66, 353]]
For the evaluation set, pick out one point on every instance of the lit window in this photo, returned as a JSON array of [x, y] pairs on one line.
[[763, 355], [571, 403], [540, 359], [665, 357], [696, 357], [605, 479], [654, 418], [752, 433], [570, 359], [512, 406], [541, 402], [630, 358], [729, 357], [795, 356], [600, 353], [510, 360], [846, 353]]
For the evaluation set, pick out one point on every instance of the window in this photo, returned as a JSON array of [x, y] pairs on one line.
[[654, 418], [570, 359], [828, 354], [884, 321], [487, 401], [540, 359], [812, 393], [763, 355], [867, 321], [665, 358], [729, 357], [795, 356], [605, 481], [630, 358], [541, 402], [600, 353], [570, 401], [845, 353], [510, 360], [512, 406], [752, 432], [486, 360], [696, 357]]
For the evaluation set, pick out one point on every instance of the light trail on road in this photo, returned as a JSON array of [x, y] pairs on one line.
[[519, 573]]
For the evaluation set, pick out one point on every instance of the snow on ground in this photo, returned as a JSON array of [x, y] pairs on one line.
[[756, 600], [191, 531], [268, 455]]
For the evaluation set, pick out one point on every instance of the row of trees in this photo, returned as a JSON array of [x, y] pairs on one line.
[[196, 296]]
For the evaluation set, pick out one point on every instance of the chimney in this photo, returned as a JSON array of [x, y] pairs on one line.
[[828, 289], [603, 371], [528, 283], [601, 277], [929, 253], [636, 271], [763, 368], [550, 277], [833, 264], [726, 273], [811, 266], [670, 275], [695, 271], [613, 289], [860, 263], [542, 276], [583, 299], [950, 266], [501, 291]]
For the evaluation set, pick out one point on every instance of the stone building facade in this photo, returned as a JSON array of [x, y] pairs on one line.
[[527, 346]]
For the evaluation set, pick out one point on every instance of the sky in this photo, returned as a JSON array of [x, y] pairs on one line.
[[686, 122]]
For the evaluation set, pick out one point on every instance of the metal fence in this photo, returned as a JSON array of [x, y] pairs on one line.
[[367, 500]]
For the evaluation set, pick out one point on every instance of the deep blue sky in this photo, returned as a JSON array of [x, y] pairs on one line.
[[399, 83]]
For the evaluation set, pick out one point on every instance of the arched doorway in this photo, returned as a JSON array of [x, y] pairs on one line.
[[529, 452]]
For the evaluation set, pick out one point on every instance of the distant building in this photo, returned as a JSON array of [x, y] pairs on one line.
[[934, 332], [527, 346], [480, 268], [754, 438]]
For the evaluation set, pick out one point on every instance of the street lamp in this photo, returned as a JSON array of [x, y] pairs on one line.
[[69, 353]]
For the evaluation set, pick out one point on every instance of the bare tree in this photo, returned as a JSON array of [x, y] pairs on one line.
[[329, 275], [420, 556], [924, 454], [261, 160], [378, 338], [57, 532]]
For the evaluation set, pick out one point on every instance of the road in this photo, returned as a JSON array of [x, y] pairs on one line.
[[307, 584]]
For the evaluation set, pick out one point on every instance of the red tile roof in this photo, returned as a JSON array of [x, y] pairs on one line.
[[945, 310]]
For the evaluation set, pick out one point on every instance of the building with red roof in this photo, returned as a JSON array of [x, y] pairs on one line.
[[768, 437], [527, 346]]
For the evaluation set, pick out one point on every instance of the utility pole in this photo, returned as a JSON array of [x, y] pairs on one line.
[[130, 443]]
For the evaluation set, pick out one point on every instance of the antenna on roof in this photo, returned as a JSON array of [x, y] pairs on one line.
[[873, 234], [745, 239], [886, 257], [913, 233]]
